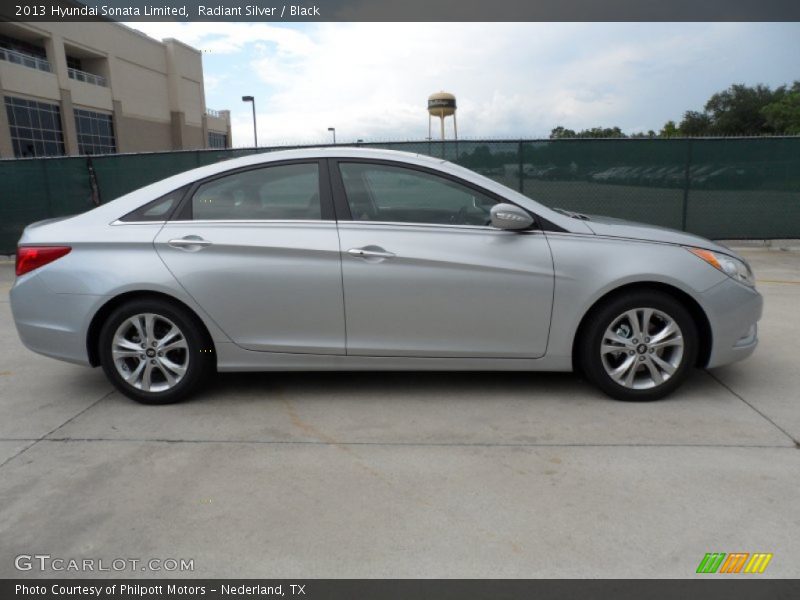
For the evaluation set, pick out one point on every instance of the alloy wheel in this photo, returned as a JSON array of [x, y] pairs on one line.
[[150, 352], [642, 348]]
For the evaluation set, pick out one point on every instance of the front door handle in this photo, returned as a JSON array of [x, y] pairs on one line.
[[370, 252], [191, 243]]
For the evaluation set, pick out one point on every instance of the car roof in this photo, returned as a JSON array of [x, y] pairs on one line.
[[345, 151], [133, 199], [324, 152], [115, 209]]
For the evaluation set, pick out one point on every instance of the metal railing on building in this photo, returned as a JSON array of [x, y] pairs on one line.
[[87, 77], [217, 114], [26, 60]]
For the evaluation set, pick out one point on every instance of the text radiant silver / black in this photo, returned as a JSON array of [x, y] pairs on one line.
[[354, 259]]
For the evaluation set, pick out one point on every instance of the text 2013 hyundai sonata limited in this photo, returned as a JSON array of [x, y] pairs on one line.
[[356, 259]]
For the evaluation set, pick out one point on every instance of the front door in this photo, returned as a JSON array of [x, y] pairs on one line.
[[425, 275]]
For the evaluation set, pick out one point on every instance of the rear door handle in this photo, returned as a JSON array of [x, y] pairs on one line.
[[192, 243], [370, 252]]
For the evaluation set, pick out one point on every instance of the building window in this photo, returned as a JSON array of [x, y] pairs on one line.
[[76, 71], [22, 47], [217, 140], [23, 53], [74, 63], [95, 132], [35, 128], [87, 77]]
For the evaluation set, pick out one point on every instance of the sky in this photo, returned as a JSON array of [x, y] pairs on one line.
[[512, 80]]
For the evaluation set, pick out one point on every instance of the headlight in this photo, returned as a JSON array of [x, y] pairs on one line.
[[733, 267]]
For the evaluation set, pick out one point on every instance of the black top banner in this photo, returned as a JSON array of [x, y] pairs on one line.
[[401, 589], [401, 10]]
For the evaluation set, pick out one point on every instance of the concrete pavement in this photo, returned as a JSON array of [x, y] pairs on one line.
[[408, 475]]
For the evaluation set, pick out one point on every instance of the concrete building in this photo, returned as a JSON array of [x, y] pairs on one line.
[[94, 88]]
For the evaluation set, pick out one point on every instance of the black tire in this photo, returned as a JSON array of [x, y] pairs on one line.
[[605, 315], [198, 352]]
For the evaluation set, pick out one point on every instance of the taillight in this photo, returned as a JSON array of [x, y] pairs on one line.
[[33, 257]]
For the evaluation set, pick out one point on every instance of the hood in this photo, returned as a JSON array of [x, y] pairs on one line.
[[608, 226]]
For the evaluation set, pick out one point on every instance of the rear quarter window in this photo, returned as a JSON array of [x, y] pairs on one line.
[[159, 209]]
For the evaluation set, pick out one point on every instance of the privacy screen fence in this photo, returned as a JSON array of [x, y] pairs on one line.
[[720, 188]]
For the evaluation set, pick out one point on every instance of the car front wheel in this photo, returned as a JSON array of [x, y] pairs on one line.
[[154, 352], [640, 346]]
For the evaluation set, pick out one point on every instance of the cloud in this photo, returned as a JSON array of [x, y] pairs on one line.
[[372, 80], [227, 38]]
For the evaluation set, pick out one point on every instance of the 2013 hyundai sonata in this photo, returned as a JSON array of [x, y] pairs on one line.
[[355, 259]]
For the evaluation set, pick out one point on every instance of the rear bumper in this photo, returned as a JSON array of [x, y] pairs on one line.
[[54, 325], [733, 311]]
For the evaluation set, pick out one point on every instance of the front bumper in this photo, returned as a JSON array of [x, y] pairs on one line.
[[733, 312]]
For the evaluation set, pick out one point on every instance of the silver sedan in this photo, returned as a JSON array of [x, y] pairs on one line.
[[354, 259]]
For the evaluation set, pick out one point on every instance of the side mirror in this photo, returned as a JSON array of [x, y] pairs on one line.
[[508, 216]]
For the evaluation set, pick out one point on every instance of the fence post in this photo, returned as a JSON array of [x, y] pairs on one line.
[[48, 195], [686, 179], [95, 197], [521, 179]]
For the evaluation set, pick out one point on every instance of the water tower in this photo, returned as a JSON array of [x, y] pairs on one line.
[[442, 105]]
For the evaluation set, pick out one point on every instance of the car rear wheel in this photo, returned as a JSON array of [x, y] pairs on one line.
[[154, 352], [640, 346]]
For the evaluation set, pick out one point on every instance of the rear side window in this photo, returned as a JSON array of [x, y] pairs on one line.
[[281, 192], [159, 209]]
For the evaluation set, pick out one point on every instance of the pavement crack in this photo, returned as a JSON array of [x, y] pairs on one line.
[[12, 457], [762, 414], [343, 444], [52, 431]]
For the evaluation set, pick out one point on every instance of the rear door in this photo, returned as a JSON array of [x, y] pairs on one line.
[[258, 250], [424, 273]]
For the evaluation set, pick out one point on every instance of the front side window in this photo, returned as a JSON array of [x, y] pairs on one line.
[[283, 192], [377, 192]]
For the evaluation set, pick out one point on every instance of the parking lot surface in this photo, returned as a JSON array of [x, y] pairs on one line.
[[408, 474]]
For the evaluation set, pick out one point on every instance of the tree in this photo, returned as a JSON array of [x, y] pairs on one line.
[[743, 110], [783, 114], [695, 124], [595, 132], [560, 133], [602, 132], [737, 110], [669, 130]]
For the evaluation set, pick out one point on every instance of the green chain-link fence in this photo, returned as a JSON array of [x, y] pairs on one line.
[[720, 188]]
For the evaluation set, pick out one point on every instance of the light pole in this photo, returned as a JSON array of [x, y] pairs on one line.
[[255, 133], [333, 131]]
